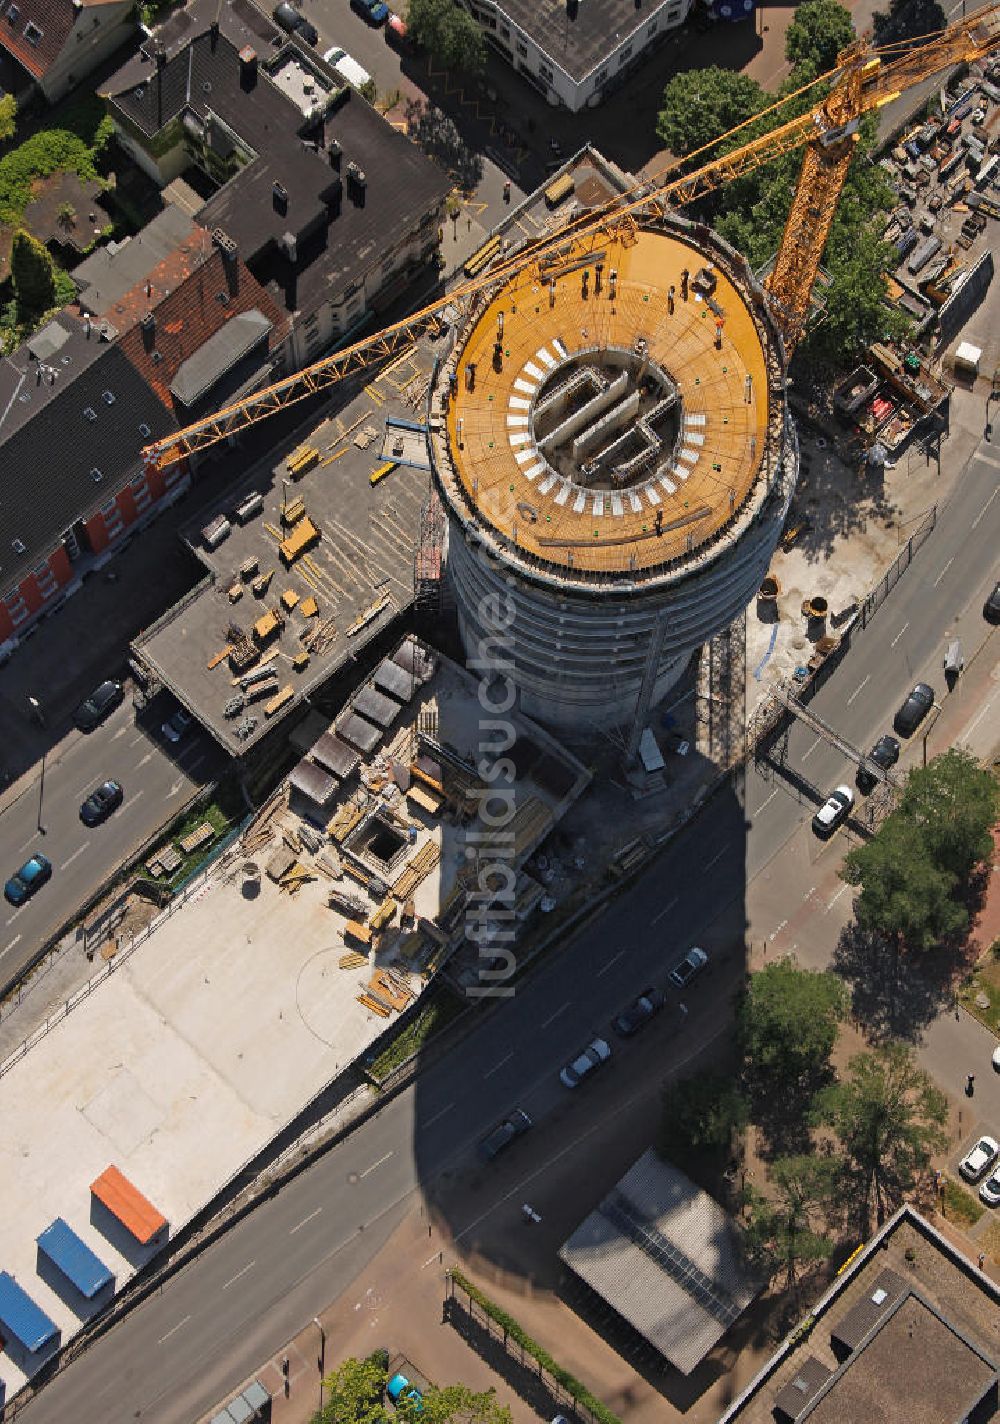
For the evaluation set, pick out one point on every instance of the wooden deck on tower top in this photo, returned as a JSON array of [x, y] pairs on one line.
[[563, 522]]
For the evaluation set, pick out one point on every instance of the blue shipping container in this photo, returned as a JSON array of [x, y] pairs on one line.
[[60, 1243], [22, 1318]]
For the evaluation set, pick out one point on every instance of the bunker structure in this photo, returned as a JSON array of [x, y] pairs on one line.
[[610, 437]]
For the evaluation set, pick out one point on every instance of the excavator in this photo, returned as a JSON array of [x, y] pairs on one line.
[[864, 80]]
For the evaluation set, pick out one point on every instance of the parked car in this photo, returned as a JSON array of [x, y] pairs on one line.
[[513, 1125], [374, 11], [686, 969], [93, 710], [989, 1192], [347, 67], [834, 811], [177, 725], [397, 34], [100, 803], [404, 1394], [991, 608], [31, 877], [914, 709], [637, 1014], [585, 1063], [291, 19], [885, 754], [977, 1162]]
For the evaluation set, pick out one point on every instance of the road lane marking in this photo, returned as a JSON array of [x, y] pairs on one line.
[[944, 570], [120, 733], [609, 964], [900, 634], [166, 1337], [810, 891], [13, 917], [810, 751], [135, 796], [136, 740], [79, 851], [496, 1067], [985, 507], [842, 891], [973, 725], [778, 930], [375, 1165], [430, 1260], [717, 857], [193, 766], [763, 807], [305, 1221], [552, 1017], [665, 911], [438, 1115], [145, 759], [10, 946], [29, 841], [238, 1274], [858, 690]]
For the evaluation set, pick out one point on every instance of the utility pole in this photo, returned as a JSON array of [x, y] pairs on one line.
[[41, 793]]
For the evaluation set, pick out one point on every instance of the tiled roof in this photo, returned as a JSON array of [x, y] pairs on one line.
[[193, 313], [48, 22], [57, 431], [103, 278], [150, 288]]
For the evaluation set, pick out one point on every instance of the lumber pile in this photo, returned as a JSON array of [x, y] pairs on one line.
[[351, 905], [373, 1004], [295, 877], [352, 960], [343, 823], [418, 869], [385, 913]]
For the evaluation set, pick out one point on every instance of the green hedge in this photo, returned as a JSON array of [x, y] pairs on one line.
[[570, 1383]]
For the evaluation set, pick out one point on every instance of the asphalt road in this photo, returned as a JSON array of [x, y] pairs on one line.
[[156, 780], [211, 1325]]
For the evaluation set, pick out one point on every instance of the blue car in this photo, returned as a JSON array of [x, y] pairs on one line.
[[405, 1395], [374, 11], [31, 877]]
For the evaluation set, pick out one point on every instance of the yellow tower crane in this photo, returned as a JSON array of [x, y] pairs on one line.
[[865, 79]]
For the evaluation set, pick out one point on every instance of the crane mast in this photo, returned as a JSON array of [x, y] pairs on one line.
[[865, 80]]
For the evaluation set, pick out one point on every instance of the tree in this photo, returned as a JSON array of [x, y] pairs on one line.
[[905, 896], [701, 1114], [458, 1402], [32, 275], [789, 1228], [907, 19], [819, 31], [954, 804], [889, 1118], [355, 1392], [787, 1021], [8, 117], [449, 34], [701, 104]]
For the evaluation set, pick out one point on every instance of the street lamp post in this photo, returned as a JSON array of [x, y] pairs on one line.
[[321, 1359], [937, 708], [41, 793], [36, 711]]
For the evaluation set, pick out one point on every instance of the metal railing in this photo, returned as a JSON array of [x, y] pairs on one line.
[[877, 596]]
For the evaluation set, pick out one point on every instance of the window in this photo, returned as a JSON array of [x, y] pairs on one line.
[[522, 49], [19, 546], [12, 15], [97, 476], [625, 55], [601, 76], [145, 431], [108, 397], [505, 31], [33, 34], [138, 484], [652, 27], [545, 72], [90, 413]]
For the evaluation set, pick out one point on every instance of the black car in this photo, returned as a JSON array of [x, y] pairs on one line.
[[885, 753], [100, 803], [293, 22], [637, 1014], [104, 699], [513, 1125], [914, 710], [991, 608]]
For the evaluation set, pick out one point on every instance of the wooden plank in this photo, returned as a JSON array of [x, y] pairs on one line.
[[276, 703], [220, 657], [309, 607]]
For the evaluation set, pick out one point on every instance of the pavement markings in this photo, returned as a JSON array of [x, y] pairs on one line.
[[985, 507], [120, 733], [10, 946], [610, 963], [830, 904], [552, 1017], [438, 1115], [778, 929], [78, 852], [136, 740], [988, 459], [665, 911], [810, 751], [900, 634], [194, 765], [13, 917], [135, 796], [430, 1260], [238, 1274], [762, 807], [177, 1327], [305, 1221], [945, 569], [29, 841], [143, 760], [859, 689], [973, 725], [495, 1069], [717, 857], [374, 1165], [810, 891], [174, 789]]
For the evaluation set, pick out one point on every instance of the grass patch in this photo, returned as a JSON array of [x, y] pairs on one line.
[[444, 1008], [985, 980], [223, 811], [960, 1205]]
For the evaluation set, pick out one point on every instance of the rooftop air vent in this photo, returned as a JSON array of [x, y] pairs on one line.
[[144, 430], [108, 397], [157, 358], [89, 412], [96, 475], [279, 196], [19, 546]]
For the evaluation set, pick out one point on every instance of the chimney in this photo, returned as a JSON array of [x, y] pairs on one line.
[[230, 257], [279, 197], [213, 31], [334, 152], [357, 182], [161, 58], [248, 67], [147, 325]]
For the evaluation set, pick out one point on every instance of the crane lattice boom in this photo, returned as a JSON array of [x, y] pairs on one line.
[[865, 79]]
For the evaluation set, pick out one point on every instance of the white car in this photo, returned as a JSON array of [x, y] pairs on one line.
[[835, 809], [584, 1063], [989, 1192], [980, 1159], [347, 67], [686, 969]]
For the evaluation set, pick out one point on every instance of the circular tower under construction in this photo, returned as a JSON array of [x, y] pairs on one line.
[[610, 437]]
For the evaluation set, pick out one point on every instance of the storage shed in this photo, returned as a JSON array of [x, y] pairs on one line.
[[60, 1244], [22, 1318]]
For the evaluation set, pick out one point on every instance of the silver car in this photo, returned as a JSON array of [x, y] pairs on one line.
[[585, 1063], [977, 1162]]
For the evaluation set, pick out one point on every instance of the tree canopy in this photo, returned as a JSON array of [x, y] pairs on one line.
[[817, 34], [354, 1393], [701, 1114], [449, 34], [889, 1118], [700, 104], [8, 116], [906, 20], [788, 1228], [32, 275], [954, 804], [788, 1020]]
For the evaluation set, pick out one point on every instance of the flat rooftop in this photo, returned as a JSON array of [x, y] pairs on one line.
[[623, 501], [929, 1356], [198, 1046], [363, 559], [578, 37]]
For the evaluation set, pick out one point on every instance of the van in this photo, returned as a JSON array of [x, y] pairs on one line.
[[954, 659], [347, 67]]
